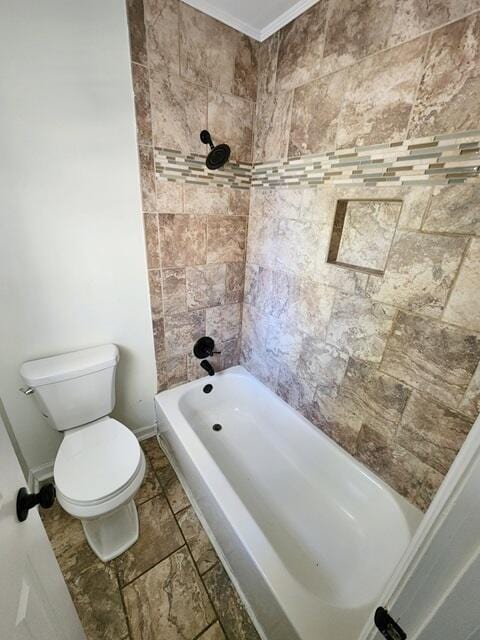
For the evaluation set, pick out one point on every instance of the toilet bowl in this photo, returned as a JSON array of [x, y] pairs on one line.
[[100, 465]]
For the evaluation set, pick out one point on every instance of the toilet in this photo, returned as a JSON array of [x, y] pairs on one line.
[[100, 465]]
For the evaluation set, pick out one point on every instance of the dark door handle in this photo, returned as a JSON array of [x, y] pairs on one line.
[[26, 501]]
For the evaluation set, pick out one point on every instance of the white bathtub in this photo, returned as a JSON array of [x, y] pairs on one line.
[[309, 535]]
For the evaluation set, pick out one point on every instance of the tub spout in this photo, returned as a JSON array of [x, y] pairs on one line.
[[205, 364]]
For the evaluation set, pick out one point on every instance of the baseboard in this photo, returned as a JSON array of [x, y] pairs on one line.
[[44, 473]]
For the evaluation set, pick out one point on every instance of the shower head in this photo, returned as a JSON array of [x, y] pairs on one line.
[[218, 155]]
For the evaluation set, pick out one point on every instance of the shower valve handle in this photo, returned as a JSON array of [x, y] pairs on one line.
[[204, 348]]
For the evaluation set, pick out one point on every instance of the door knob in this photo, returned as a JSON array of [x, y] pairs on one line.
[[26, 501]]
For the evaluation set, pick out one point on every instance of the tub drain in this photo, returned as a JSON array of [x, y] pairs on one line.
[[217, 427], [207, 388]]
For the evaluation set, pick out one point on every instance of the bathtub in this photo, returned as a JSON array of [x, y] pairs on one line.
[[309, 535]]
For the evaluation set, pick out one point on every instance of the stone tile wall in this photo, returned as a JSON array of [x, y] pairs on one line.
[[190, 71], [386, 364]]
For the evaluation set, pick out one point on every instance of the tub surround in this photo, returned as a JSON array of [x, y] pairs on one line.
[[279, 504], [371, 358]]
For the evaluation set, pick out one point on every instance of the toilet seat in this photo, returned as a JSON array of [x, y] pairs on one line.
[[98, 466]]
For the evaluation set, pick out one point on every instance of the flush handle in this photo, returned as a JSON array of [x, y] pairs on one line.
[[27, 390], [26, 501]]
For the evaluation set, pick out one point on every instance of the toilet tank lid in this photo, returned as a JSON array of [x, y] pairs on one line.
[[69, 365]]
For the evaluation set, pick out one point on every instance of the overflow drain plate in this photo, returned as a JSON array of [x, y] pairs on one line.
[[217, 427]]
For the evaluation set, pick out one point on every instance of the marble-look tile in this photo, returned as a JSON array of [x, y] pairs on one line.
[[174, 291], [94, 590], [272, 127], [230, 120], [179, 113], [380, 95], [264, 367], [208, 199], [395, 465], [150, 486], [335, 419], [231, 612], [368, 230], [143, 116], [200, 547], [205, 286], [214, 55], [213, 633], [355, 29], [169, 197], [155, 455], [276, 294], [267, 53], [432, 433], [470, 404], [413, 17], [155, 287], [431, 356], [231, 353], [169, 597], [225, 322], [297, 245], [251, 284], [239, 203], [234, 282], [63, 531], [151, 227], [182, 330], [447, 99], [415, 203], [176, 370], [183, 240], [245, 67], [322, 364], [161, 19], [262, 234], [312, 307], [296, 392], [454, 209], [313, 129], [430, 485], [463, 306], [420, 272], [377, 399], [342, 279], [284, 341], [301, 48], [136, 28], [159, 537], [176, 496], [227, 239], [360, 326], [147, 179], [254, 332]]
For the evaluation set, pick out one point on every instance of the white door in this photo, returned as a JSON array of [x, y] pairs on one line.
[[34, 599], [435, 592]]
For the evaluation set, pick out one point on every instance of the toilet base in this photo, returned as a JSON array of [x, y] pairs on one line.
[[110, 535]]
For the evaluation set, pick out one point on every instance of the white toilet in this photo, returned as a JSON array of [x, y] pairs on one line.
[[100, 465]]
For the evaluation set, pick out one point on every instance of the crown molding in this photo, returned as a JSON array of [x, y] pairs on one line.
[[257, 34]]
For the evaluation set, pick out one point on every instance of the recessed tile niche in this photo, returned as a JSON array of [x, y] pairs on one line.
[[362, 234]]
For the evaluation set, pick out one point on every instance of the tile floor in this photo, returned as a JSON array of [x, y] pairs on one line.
[[169, 586]]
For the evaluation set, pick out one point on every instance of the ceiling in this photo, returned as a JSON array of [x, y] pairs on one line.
[[256, 18]]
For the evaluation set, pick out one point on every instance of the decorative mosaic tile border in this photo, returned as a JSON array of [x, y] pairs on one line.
[[441, 159], [174, 167]]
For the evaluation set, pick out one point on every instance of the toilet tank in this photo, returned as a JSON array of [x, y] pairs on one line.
[[73, 389]]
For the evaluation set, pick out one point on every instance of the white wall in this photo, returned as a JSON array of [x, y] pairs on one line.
[[72, 258]]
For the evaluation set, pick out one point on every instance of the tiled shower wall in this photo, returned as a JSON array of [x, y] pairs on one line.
[[355, 101], [190, 72], [387, 364]]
